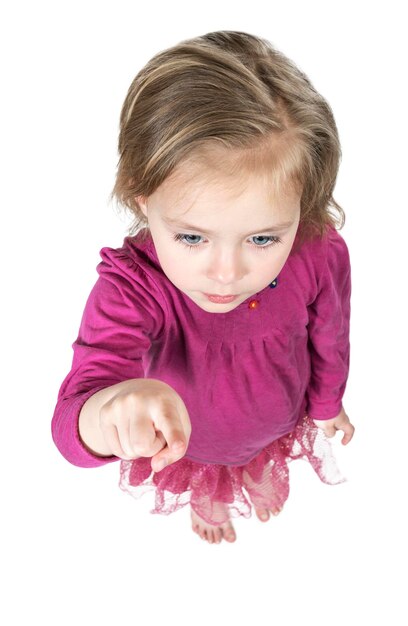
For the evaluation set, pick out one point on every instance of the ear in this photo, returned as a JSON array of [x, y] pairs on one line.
[[142, 203]]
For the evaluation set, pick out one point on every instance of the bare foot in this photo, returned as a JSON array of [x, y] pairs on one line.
[[263, 488], [263, 514], [211, 533]]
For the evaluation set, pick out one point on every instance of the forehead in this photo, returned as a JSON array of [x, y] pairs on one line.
[[204, 191]]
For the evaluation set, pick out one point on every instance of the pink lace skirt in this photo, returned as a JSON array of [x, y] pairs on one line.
[[219, 492]]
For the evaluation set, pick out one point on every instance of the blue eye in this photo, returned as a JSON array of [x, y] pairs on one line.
[[273, 240], [180, 238]]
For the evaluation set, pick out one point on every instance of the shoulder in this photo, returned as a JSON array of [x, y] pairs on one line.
[[318, 260], [336, 253], [134, 261], [326, 249], [131, 272]]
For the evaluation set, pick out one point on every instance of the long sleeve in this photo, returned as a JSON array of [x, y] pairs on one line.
[[329, 323], [120, 320]]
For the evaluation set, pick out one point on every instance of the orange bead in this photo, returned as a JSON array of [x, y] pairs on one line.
[[253, 304]]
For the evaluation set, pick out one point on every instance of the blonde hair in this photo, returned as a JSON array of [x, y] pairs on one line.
[[235, 94]]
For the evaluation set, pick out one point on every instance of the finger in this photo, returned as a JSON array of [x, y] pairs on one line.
[[348, 434], [144, 439], [169, 454], [172, 452], [116, 434], [174, 422], [111, 436]]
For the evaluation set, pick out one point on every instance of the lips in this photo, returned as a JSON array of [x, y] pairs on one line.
[[220, 299]]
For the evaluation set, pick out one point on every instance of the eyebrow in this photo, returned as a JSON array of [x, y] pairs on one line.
[[181, 224]]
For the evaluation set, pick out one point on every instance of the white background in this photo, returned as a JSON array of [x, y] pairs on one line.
[[76, 549]]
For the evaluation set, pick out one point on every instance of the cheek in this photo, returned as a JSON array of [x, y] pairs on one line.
[[284, 253], [176, 267], [275, 261]]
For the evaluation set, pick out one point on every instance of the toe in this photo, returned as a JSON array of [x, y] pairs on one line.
[[276, 510], [230, 537], [202, 533], [229, 533], [263, 514]]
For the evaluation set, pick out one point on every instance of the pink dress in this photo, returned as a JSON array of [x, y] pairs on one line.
[[252, 379]]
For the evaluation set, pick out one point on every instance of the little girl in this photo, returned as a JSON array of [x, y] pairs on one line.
[[214, 345]]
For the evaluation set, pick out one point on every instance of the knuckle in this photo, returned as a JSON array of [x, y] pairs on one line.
[[165, 412], [124, 401], [141, 448]]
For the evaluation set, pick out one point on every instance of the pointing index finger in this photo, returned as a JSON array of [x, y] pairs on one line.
[[173, 452]]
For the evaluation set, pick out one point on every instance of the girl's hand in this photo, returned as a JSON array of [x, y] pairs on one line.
[[341, 422], [146, 418]]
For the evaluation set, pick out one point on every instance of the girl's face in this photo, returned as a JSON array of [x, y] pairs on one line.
[[229, 238]]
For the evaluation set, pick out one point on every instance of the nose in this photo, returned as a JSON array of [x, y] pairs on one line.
[[226, 267]]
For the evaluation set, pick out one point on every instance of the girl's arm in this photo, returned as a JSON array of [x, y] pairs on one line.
[[121, 317], [329, 325]]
